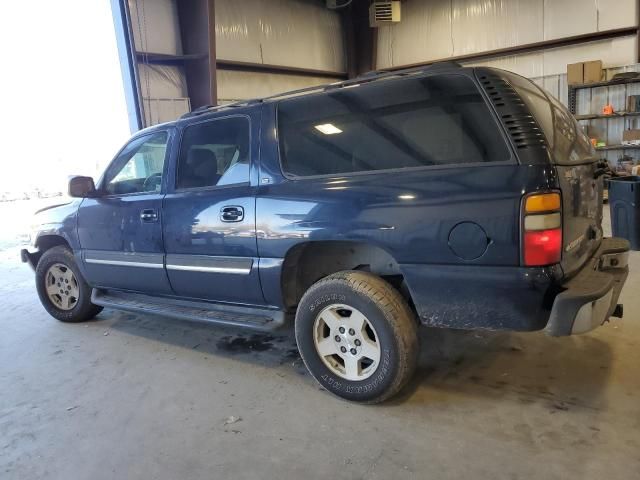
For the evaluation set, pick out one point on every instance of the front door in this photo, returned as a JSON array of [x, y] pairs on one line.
[[209, 213], [120, 230]]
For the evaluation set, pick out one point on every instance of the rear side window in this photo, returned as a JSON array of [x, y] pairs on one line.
[[408, 123], [567, 142], [214, 153]]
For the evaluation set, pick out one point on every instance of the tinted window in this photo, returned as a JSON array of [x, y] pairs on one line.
[[406, 123], [214, 153], [138, 167], [565, 138]]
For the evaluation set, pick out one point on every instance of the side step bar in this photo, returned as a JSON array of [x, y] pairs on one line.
[[246, 317]]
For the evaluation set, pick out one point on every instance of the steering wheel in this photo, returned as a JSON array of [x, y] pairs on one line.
[[152, 182]]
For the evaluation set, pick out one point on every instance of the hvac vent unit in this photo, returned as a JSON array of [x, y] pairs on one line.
[[384, 13]]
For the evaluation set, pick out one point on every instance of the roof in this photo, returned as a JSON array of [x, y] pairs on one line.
[[366, 78]]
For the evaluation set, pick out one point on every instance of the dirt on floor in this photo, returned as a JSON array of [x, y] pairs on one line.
[[141, 397]]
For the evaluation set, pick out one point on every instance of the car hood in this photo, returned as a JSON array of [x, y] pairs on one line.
[[55, 205]]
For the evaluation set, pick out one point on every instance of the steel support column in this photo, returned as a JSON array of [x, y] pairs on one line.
[[128, 67], [360, 39], [198, 33]]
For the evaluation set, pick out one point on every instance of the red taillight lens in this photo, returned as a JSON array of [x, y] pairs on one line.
[[542, 247]]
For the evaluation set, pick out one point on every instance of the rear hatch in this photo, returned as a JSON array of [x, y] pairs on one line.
[[581, 214], [576, 165]]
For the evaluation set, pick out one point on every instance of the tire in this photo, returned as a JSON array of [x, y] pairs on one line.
[[339, 301], [70, 308]]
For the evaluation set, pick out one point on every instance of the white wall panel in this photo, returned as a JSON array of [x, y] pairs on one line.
[[160, 110], [442, 28], [614, 52], [295, 33], [481, 25], [234, 85], [616, 14], [424, 34], [565, 18], [157, 81], [155, 26], [528, 65]]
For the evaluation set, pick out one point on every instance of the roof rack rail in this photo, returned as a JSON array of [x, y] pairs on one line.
[[212, 108], [364, 78]]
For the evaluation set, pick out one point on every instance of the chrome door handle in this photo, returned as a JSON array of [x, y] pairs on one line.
[[148, 215], [232, 213]]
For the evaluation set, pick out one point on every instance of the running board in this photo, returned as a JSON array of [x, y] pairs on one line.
[[246, 317]]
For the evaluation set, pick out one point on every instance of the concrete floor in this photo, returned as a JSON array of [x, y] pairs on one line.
[[141, 397]]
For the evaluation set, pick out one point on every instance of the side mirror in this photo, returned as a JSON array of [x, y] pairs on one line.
[[81, 187]]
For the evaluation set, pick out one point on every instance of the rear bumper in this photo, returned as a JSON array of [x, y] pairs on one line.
[[589, 298]]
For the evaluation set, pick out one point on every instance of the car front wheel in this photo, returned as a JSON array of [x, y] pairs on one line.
[[357, 336], [62, 290]]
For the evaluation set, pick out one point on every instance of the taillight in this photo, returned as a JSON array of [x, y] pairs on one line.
[[542, 224]]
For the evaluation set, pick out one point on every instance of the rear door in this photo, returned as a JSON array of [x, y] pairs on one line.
[[209, 213], [575, 163]]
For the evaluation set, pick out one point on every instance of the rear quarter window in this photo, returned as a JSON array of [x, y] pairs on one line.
[[567, 142], [392, 124]]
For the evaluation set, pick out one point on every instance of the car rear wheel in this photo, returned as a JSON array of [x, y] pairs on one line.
[[357, 336], [62, 290]]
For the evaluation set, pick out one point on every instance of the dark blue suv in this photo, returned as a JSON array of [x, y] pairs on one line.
[[444, 196]]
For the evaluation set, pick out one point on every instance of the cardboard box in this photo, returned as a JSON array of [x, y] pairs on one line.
[[575, 73], [584, 72], [593, 71], [633, 103], [631, 137]]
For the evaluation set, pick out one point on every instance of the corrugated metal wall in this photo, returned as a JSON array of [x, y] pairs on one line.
[[305, 34], [445, 28], [290, 33], [163, 88]]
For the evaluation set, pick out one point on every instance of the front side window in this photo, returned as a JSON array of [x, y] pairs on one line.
[[214, 153], [138, 167], [414, 122]]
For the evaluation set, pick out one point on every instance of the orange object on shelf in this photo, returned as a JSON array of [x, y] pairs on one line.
[[594, 141], [607, 109]]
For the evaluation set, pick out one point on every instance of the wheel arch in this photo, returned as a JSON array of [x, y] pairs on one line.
[[306, 263], [47, 242]]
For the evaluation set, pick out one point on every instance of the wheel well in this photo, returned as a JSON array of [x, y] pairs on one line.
[[307, 263], [46, 242]]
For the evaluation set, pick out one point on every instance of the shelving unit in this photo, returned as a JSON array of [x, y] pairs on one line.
[[618, 147], [614, 115], [601, 93], [573, 89]]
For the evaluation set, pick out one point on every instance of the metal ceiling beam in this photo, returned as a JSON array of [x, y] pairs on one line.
[[277, 69]]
